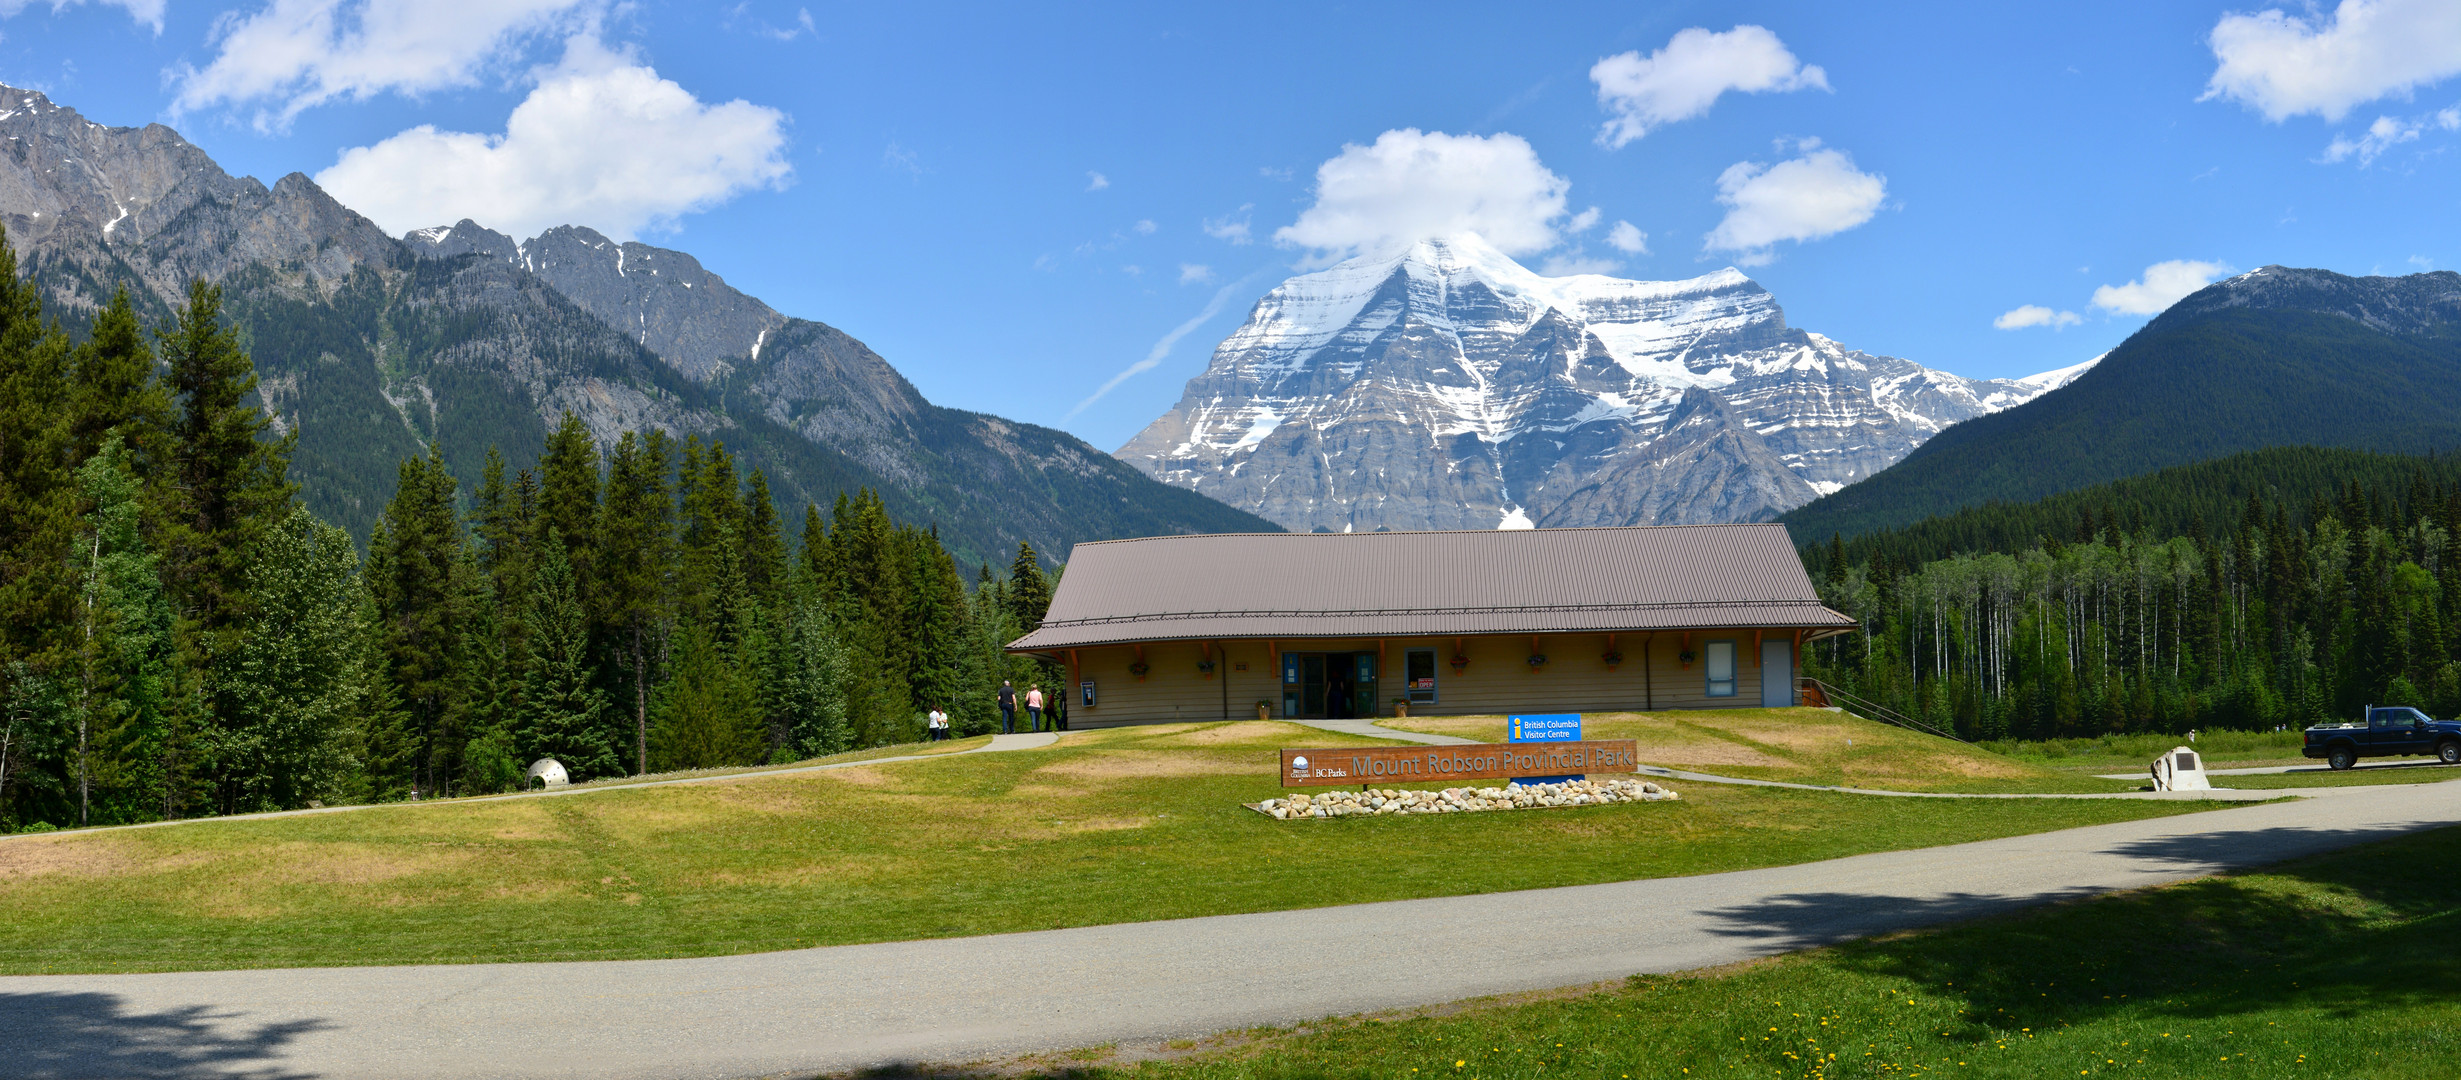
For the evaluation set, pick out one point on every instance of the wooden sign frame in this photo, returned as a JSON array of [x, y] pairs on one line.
[[1368, 766]]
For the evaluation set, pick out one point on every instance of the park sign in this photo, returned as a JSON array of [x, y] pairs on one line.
[[1438, 764]]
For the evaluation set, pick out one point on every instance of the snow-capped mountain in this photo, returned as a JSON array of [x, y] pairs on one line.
[[1448, 387]]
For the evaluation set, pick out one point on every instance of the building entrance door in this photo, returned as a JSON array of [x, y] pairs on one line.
[[1322, 686]]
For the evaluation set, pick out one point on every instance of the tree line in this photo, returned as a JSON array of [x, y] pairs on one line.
[[179, 636], [2281, 615]]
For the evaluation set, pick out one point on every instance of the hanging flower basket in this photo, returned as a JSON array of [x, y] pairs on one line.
[[1611, 659], [1684, 658], [1537, 660], [1138, 669], [1460, 662], [1205, 668]]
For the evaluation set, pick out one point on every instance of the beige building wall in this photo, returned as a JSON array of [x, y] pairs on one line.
[[1497, 679]]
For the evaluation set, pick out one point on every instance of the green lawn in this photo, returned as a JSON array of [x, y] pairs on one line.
[[1108, 826], [2346, 965], [2128, 753], [1801, 746]]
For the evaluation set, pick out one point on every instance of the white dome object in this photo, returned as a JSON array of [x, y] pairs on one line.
[[546, 772]]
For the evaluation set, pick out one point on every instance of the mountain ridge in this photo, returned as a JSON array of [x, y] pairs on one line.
[[2274, 357], [1446, 386], [374, 345]]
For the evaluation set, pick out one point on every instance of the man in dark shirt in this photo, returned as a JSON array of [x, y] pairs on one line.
[[1008, 708]]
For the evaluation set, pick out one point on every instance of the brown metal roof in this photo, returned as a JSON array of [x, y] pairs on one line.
[[1291, 585]]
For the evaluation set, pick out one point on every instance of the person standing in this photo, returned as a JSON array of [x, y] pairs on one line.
[[1034, 707], [939, 724], [1008, 708]]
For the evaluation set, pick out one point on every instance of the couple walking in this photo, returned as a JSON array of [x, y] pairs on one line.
[[1008, 707]]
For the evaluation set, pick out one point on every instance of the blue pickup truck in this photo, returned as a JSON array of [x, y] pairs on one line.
[[2390, 731]]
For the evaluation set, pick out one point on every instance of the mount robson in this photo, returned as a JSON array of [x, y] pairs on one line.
[[372, 346], [1444, 386]]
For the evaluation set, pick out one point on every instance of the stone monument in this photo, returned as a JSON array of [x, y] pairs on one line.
[[546, 772], [2179, 769]]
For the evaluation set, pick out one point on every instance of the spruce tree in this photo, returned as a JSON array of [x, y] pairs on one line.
[[220, 487], [295, 673], [568, 495], [419, 599], [113, 387], [38, 489], [635, 568], [563, 711]]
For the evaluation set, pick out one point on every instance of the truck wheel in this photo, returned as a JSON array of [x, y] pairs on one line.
[[2449, 752], [2341, 757]]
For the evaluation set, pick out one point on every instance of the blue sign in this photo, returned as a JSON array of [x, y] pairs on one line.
[[1544, 727]]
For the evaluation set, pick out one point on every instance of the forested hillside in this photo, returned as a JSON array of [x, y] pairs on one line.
[[181, 636], [2278, 357], [2291, 610], [2203, 501]]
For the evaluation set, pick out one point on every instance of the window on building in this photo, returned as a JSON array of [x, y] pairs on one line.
[[1720, 657], [1420, 669]]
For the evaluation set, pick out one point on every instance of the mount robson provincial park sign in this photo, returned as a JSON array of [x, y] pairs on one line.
[[1476, 761]]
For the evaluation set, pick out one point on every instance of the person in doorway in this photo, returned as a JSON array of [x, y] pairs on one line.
[[939, 724], [1337, 698], [1008, 708], [1034, 707]]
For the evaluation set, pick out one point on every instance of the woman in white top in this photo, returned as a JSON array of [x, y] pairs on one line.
[[939, 724], [1034, 708]]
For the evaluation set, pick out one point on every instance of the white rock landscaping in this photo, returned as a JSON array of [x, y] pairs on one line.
[[1380, 802]]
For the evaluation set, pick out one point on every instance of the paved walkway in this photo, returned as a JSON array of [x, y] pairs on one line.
[[966, 998], [2142, 774]]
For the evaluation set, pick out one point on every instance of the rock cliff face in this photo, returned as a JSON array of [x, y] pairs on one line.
[[1448, 387], [373, 347]]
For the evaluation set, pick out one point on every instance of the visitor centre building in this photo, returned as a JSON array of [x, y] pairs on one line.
[[1332, 625]]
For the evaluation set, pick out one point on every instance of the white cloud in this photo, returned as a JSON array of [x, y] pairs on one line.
[[1686, 77], [1194, 272], [293, 55], [1095, 181], [2164, 284], [2285, 65], [2381, 136], [1410, 185], [1806, 198], [601, 141], [1577, 261], [1583, 221], [2422, 262], [1231, 228], [1627, 238], [2037, 315], [148, 12], [1145, 227]]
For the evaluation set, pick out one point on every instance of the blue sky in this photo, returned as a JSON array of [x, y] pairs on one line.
[[1017, 207]]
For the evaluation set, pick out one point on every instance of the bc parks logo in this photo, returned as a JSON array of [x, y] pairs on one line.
[[1298, 765]]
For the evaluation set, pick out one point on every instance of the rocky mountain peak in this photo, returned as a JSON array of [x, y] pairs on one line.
[[465, 237], [1444, 385]]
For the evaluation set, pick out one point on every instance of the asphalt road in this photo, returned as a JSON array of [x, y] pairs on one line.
[[967, 998]]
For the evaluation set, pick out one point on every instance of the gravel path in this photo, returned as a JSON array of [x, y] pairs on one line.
[[957, 999]]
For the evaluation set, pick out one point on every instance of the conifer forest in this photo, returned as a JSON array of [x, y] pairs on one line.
[[2287, 612], [180, 637]]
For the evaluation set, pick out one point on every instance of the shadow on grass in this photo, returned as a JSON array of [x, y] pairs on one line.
[[46, 1035], [2347, 934]]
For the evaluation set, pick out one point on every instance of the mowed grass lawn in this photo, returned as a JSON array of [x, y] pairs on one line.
[[1108, 826], [2345, 965], [1801, 746]]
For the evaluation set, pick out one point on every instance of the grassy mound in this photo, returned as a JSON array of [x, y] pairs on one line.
[[1110, 826], [1803, 746]]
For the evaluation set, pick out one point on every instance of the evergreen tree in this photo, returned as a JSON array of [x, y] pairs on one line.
[[563, 712], [419, 599], [221, 487], [568, 496], [38, 488], [707, 713], [635, 568], [764, 542], [113, 387]]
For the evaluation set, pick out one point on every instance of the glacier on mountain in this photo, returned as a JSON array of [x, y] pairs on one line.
[[1447, 386]]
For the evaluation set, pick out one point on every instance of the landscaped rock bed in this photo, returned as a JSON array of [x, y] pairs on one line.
[[1379, 801]]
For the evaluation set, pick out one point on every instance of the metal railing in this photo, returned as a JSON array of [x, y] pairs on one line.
[[1873, 710]]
